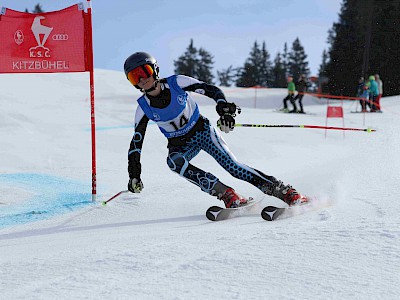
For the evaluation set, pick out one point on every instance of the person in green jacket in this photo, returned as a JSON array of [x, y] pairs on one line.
[[373, 92], [290, 96]]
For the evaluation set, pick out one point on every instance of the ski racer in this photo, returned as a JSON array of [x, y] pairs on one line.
[[167, 102]]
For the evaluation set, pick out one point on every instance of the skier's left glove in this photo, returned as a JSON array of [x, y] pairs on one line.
[[227, 111], [135, 185], [226, 123]]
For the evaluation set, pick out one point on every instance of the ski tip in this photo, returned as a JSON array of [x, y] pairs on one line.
[[213, 212], [270, 213]]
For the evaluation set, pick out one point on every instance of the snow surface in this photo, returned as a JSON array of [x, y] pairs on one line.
[[56, 244]]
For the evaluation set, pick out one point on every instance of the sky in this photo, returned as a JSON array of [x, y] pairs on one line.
[[225, 28], [56, 244]]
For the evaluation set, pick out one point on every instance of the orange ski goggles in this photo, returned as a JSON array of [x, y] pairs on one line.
[[144, 71]]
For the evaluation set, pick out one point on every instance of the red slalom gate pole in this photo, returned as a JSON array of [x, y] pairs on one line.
[[305, 126], [89, 55]]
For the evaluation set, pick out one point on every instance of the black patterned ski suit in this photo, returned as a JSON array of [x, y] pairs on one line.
[[188, 133]]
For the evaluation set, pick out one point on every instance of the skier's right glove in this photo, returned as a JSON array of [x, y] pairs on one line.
[[135, 185]]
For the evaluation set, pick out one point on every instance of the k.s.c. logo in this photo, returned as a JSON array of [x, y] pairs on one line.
[[41, 33]]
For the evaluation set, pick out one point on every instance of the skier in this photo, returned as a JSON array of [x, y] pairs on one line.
[[166, 102], [290, 96], [301, 86]]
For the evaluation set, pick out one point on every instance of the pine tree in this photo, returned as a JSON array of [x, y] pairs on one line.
[[285, 58], [227, 77], [345, 54], [322, 76], [247, 76], [205, 65], [256, 69], [297, 62], [38, 9], [186, 64], [322, 67], [278, 73], [384, 52], [195, 63], [364, 42], [265, 66]]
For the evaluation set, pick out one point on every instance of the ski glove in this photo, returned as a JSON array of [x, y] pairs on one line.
[[135, 185], [226, 123], [227, 111], [224, 108]]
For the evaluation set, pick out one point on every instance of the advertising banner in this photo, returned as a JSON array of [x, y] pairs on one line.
[[50, 42]]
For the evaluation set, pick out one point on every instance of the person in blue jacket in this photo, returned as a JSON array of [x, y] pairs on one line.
[[167, 102], [362, 92], [373, 92]]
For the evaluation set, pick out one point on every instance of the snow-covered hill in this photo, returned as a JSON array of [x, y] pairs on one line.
[[56, 244]]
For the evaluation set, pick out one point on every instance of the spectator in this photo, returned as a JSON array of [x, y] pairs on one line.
[[362, 92], [380, 88], [373, 92], [301, 89], [290, 96]]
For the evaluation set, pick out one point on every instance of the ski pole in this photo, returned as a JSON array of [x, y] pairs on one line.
[[113, 197], [305, 126]]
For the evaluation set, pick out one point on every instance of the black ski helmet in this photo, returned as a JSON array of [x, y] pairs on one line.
[[139, 59]]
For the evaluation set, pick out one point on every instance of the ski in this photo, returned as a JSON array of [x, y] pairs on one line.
[[365, 112], [295, 113], [217, 213], [272, 213]]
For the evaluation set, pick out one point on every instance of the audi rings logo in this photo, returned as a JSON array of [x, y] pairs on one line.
[[60, 37]]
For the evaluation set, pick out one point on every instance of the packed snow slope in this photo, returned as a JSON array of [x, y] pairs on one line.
[[56, 244]]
